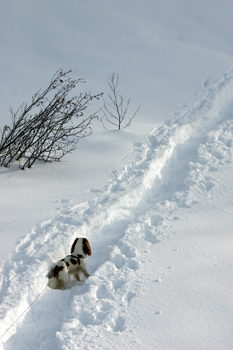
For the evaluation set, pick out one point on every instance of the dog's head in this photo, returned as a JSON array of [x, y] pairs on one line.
[[81, 246]]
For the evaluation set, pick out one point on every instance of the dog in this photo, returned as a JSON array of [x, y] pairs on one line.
[[72, 264]]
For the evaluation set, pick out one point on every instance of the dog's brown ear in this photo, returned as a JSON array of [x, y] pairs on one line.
[[73, 246], [86, 247]]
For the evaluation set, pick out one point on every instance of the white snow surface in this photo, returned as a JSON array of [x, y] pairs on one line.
[[160, 232]]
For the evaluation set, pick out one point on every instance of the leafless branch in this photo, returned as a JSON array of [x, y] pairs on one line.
[[49, 127], [115, 111]]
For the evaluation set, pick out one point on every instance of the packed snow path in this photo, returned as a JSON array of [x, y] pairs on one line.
[[176, 169]]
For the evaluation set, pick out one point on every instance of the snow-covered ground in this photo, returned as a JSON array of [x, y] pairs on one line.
[[154, 200], [161, 235]]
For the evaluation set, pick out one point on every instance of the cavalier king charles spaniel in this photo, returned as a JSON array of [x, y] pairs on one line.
[[72, 264]]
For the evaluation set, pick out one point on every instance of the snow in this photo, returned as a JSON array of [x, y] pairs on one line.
[[162, 248], [155, 200]]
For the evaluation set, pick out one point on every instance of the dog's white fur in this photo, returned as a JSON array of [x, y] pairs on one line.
[[59, 274]]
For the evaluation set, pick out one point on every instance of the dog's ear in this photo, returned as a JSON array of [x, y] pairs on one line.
[[73, 245], [86, 247]]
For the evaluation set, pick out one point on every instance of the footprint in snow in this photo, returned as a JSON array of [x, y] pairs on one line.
[[118, 324]]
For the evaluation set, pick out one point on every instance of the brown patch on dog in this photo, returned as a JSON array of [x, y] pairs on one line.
[[56, 270], [86, 247], [74, 261]]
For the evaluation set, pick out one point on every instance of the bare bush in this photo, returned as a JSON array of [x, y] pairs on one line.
[[115, 111], [50, 126]]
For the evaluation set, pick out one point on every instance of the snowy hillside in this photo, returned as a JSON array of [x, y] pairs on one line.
[[161, 235]]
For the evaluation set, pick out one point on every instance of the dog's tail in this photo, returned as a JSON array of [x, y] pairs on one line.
[[54, 271], [50, 274]]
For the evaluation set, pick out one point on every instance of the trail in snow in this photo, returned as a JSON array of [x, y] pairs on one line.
[[174, 169]]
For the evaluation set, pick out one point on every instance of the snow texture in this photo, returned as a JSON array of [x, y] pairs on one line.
[[161, 237]]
